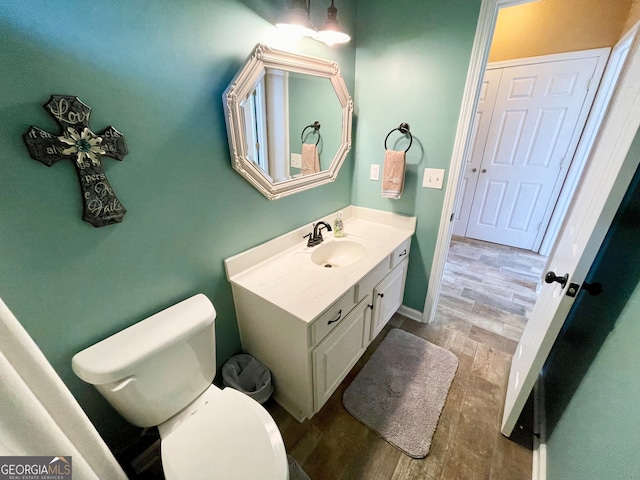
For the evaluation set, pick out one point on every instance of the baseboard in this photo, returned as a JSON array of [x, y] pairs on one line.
[[410, 313], [539, 467]]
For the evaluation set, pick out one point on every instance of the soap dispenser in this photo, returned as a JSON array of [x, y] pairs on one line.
[[338, 226]]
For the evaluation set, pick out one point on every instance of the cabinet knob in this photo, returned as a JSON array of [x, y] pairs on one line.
[[404, 252], [381, 295]]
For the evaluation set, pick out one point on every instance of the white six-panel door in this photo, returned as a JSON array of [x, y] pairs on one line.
[[538, 115]]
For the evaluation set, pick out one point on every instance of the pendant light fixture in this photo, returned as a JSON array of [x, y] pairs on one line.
[[297, 20], [332, 32]]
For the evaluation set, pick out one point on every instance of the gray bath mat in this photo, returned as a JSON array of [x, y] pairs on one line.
[[295, 470], [400, 392]]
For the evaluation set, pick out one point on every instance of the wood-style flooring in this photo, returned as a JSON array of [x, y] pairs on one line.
[[489, 286], [487, 293]]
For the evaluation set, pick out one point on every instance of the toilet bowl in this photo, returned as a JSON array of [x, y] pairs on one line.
[[158, 372]]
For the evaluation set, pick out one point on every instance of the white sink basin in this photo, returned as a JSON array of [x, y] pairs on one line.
[[338, 253]]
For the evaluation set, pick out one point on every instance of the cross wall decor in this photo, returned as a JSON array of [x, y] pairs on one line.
[[84, 148]]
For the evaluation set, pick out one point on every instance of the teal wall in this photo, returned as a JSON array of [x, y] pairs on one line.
[[156, 71], [412, 60], [592, 383]]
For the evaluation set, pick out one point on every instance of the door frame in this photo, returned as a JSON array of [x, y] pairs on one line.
[[487, 18]]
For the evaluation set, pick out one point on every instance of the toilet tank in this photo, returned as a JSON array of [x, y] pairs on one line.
[[153, 369]]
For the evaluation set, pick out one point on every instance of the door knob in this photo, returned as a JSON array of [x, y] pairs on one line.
[[551, 277]]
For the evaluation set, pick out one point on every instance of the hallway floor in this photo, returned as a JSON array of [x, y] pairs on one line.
[[491, 287], [488, 291]]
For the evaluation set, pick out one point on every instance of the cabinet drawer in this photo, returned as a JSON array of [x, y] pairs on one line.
[[332, 317], [400, 253]]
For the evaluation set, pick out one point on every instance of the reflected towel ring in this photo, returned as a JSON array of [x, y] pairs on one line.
[[403, 128], [316, 126]]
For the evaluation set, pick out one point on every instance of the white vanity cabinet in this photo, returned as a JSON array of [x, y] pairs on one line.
[[310, 325]]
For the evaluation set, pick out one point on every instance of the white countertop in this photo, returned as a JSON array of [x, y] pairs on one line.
[[272, 271]]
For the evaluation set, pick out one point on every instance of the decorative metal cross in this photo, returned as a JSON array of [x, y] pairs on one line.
[[78, 143]]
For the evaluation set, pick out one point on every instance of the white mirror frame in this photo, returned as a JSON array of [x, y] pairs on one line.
[[244, 83]]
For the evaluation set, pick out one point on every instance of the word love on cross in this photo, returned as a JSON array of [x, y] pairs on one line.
[[78, 143]]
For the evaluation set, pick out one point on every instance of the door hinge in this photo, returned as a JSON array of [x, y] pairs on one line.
[[451, 218], [540, 226]]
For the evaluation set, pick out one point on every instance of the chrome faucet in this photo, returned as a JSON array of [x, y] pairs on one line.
[[315, 238]]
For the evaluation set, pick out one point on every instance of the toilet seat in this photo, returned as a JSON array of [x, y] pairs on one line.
[[231, 437]]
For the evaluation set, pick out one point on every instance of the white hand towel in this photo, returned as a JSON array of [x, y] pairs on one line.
[[393, 174], [310, 159]]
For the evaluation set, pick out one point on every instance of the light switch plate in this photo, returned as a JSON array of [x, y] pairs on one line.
[[296, 160], [374, 174], [433, 178]]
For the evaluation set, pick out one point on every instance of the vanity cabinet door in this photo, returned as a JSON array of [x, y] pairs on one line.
[[334, 357], [387, 297]]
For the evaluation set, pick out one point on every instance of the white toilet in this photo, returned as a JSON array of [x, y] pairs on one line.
[[158, 372]]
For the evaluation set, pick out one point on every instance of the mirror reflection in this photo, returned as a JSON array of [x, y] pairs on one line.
[[284, 112], [288, 121]]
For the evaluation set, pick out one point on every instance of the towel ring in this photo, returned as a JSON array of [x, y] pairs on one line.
[[403, 128], [316, 126]]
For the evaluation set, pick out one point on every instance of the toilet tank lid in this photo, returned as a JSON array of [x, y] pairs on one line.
[[113, 358]]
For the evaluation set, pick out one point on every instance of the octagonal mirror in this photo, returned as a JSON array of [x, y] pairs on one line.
[[288, 121]]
